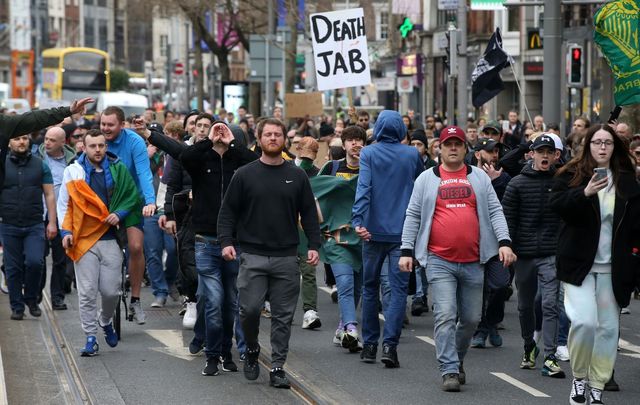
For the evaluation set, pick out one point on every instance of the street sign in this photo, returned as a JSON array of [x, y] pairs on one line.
[[447, 4], [487, 4], [385, 83], [340, 49], [534, 39], [405, 84], [178, 68]]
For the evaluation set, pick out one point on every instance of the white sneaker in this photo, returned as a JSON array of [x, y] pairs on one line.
[[311, 320], [351, 341], [625, 311], [337, 338], [190, 316], [138, 313], [3, 283], [159, 302], [562, 353]]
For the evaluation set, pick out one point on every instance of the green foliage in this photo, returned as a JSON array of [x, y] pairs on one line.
[[119, 79]]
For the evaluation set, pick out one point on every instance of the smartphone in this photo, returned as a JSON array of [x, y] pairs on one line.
[[601, 173], [614, 114]]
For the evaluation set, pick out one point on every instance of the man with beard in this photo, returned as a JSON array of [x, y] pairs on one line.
[[211, 164], [261, 208]]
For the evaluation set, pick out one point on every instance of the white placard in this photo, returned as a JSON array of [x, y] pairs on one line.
[[340, 49], [405, 84], [385, 83]]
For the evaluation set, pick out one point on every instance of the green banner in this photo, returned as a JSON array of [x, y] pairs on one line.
[[487, 4], [616, 33]]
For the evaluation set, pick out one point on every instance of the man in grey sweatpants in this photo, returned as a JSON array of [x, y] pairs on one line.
[[93, 188]]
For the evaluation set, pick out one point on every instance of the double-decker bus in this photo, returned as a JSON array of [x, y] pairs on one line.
[[73, 73]]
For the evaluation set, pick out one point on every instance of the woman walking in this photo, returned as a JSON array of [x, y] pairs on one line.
[[598, 199]]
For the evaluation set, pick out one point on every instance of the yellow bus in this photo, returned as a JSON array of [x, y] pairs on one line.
[[73, 73]]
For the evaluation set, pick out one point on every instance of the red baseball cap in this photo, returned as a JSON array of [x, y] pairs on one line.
[[452, 132]]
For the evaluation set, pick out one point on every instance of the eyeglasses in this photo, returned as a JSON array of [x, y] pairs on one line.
[[599, 142]]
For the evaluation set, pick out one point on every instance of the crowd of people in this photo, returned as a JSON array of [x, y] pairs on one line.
[[245, 208]]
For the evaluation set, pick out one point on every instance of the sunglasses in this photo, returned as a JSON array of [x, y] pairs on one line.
[[76, 136]]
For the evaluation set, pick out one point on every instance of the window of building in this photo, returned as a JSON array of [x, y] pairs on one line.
[[513, 23], [103, 34], [382, 25], [102, 3], [164, 41], [89, 33], [89, 2]]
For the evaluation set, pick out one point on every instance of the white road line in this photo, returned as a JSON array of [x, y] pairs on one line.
[[632, 355], [629, 346], [427, 339], [325, 289], [521, 385]]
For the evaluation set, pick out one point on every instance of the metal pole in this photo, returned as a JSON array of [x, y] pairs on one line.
[[168, 76], [284, 69], [552, 36], [38, 51], [463, 80], [267, 70], [453, 65], [187, 69]]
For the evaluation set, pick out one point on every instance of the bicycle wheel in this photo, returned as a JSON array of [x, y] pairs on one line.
[[117, 319]]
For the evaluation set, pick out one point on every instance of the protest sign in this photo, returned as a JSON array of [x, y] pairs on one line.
[[340, 49], [299, 105]]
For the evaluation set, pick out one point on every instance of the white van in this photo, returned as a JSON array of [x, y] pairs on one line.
[[129, 102]]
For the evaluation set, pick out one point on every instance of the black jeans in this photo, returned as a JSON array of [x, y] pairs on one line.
[[494, 295], [58, 268]]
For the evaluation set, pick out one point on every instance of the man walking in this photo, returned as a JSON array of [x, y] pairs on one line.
[[211, 164], [21, 208], [97, 195], [130, 148], [454, 224], [263, 205], [57, 155], [387, 173]]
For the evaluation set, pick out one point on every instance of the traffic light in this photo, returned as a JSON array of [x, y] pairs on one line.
[[575, 65]]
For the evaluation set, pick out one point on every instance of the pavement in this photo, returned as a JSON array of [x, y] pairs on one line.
[[151, 365]]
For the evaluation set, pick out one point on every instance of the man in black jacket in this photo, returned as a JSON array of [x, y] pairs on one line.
[[264, 203], [534, 229], [212, 163]]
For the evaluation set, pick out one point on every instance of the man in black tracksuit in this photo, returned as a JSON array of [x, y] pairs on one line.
[[263, 203], [211, 164]]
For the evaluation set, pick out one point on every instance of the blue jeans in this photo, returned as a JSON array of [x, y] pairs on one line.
[[240, 343], [421, 283], [349, 285], [457, 294], [373, 256], [23, 262], [217, 288], [156, 241], [385, 290]]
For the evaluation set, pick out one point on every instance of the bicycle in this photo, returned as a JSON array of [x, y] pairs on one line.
[[124, 294]]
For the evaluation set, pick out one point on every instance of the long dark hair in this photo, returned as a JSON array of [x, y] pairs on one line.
[[582, 166]]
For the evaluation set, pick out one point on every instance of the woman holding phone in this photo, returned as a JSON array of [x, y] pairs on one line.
[[598, 199]]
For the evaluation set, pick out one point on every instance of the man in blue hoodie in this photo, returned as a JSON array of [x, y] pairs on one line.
[[387, 172]]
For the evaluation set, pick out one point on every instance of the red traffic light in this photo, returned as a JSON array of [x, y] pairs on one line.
[[576, 54]]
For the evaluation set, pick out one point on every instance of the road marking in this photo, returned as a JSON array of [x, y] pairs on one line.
[[521, 385], [172, 341], [632, 355], [3, 386], [628, 346], [427, 339]]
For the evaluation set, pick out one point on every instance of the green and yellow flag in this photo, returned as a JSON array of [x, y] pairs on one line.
[[616, 33]]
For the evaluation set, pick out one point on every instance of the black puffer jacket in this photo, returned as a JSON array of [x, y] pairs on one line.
[[580, 233], [533, 225]]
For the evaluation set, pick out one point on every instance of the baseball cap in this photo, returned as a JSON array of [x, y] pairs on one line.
[[557, 140], [486, 144], [543, 141], [452, 132], [493, 124]]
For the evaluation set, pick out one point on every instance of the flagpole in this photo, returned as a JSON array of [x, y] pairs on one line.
[[526, 109]]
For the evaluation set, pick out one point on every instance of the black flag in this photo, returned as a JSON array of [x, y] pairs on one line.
[[485, 79]]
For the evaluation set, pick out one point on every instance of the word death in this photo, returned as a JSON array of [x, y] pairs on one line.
[[338, 30]]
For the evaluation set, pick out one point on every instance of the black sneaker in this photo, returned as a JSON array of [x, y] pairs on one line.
[[196, 346], [278, 378], [389, 357], [451, 382], [17, 315], [34, 310], [462, 376], [228, 364], [211, 368], [251, 366], [58, 305], [368, 353], [417, 308], [612, 385], [577, 396]]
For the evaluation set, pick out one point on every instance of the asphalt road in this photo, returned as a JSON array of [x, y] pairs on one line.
[[151, 365]]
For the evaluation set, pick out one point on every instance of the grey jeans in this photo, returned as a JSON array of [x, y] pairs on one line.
[[279, 277], [98, 270], [529, 274]]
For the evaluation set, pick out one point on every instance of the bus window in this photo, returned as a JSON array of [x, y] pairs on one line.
[[91, 62]]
